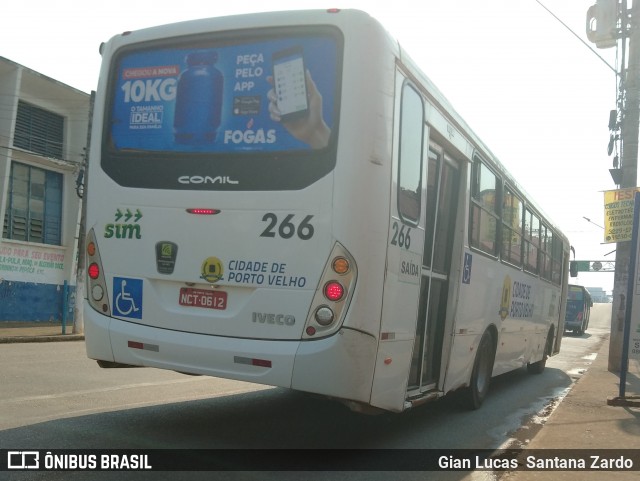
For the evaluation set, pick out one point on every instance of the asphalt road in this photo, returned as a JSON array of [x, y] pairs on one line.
[[53, 397]]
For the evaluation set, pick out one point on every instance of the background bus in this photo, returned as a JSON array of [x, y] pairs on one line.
[[579, 305], [271, 201]]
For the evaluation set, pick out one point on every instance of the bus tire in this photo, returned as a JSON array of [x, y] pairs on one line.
[[478, 387], [538, 367]]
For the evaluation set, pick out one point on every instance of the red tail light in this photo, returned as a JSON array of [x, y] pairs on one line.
[[334, 291], [93, 271]]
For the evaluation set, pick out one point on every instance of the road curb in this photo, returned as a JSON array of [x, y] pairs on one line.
[[30, 339]]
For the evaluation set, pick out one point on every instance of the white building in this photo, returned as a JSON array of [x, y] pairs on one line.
[[43, 135]]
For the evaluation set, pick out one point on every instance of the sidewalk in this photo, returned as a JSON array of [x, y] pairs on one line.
[[14, 332], [586, 420]]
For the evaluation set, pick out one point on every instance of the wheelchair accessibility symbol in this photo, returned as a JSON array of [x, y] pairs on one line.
[[127, 297], [466, 272]]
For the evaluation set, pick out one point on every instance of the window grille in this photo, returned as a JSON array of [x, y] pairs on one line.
[[39, 131]]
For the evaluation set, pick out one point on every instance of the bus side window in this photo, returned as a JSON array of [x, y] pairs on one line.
[[512, 227], [546, 237], [410, 156], [531, 241], [556, 258], [483, 218]]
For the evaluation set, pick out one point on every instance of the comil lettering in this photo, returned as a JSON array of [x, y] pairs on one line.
[[205, 179]]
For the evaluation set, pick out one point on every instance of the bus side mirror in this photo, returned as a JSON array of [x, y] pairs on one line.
[[573, 268]]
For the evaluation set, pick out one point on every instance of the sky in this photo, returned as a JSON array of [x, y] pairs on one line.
[[536, 95]]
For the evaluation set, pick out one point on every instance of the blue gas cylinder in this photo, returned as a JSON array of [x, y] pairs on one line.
[[198, 100]]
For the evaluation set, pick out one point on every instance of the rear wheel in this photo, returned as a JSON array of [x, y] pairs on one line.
[[538, 367], [481, 374]]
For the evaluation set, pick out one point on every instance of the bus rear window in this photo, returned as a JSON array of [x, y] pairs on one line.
[[575, 294], [230, 96]]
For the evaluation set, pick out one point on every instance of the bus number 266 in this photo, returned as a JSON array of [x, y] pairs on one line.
[[401, 237], [287, 228]]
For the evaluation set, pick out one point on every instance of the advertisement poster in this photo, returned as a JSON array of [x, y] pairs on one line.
[[270, 95], [31, 264], [618, 215], [634, 318]]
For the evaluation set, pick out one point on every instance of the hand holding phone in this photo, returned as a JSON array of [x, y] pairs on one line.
[[290, 83], [295, 100]]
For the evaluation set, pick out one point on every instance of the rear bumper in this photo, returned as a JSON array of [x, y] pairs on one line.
[[569, 325], [111, 339], [325, 366]]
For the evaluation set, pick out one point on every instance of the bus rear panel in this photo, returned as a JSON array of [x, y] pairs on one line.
[[212, 247]]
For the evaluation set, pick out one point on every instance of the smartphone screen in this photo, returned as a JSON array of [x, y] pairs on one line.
[[290, 83]]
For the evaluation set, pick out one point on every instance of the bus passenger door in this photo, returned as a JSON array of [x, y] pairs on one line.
[[442, 191], [404, 249], [424, 195]]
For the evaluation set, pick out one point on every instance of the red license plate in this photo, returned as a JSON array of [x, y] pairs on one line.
[[203, 298]]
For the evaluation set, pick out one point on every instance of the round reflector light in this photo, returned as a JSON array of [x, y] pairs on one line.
[[333, 291], [94, 271], [324, 316], [97, 292], [91, 249]]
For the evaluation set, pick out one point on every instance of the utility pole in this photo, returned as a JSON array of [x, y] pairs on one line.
[[78, 318], [630, 93], [610, 22]]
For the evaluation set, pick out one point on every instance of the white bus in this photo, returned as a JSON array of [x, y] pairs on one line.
[[286, 199]]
